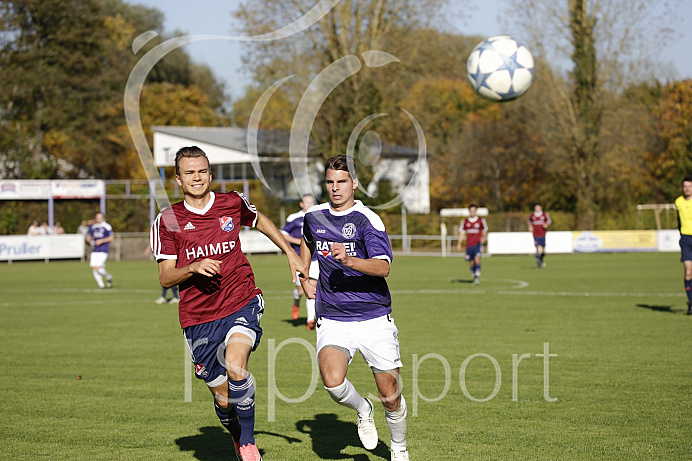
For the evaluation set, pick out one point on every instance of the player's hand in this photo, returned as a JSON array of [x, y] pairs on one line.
[[308, 288], [339, 253], [207, 267], [297, 266]]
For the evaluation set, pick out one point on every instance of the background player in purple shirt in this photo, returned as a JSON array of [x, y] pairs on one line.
[[100, 237], [353, 303], [293, 233]]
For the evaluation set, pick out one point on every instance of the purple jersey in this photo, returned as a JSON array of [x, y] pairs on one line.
[[345, 294], [100, 231], [294, 227]]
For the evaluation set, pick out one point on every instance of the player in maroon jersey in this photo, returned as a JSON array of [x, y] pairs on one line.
[[539, 221], [196, 243], [474, 229]]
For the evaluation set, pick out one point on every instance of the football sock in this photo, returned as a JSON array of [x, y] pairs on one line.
[[176, 294], [473, 269], [310, 304], [347, 395], [105, 273], [98, 278], [229, 420], [396, 420], [478, 270], [242, 395], [164, 292], [296, 297], [688, 290]]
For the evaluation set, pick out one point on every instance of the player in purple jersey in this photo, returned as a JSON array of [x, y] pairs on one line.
[[293, 233], [100, 237], [353, 303]]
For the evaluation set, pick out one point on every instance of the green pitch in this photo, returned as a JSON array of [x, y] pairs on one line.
[[91, 374]]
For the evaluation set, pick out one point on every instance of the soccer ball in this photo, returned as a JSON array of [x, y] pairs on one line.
[[500, 68]]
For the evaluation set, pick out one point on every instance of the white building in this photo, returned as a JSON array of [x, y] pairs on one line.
[[232, 159]]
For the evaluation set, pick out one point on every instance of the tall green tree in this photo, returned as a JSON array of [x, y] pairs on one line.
[[63, 68], [597, 48]]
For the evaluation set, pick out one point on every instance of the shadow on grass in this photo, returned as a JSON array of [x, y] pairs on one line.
[[299, 322], [211, 444], [215, 444], [462, 281], [658, 308], [331, 436]]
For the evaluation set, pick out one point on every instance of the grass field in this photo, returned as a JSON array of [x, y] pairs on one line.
[[91, 374]]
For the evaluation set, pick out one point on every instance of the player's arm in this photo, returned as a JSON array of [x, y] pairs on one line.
[[267, 227], [306, 252], [290, 239], [170, 276], [371, 266], [484, 232], [462, 236], [548, 221], [108, 239]]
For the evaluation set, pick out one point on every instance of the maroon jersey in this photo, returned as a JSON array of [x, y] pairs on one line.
[[474, 230], [537, 222], [187, 234]]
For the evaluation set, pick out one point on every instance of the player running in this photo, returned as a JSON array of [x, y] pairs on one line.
[[354, 304], [100, 236], [293, 233], [196, 243], [539, 221], [683, 204], [474, 229]]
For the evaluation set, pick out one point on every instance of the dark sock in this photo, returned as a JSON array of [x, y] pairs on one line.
[[688, 289], [243, 397], [229, 420]]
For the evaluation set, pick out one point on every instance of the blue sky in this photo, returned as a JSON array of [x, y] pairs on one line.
[[214, 17]]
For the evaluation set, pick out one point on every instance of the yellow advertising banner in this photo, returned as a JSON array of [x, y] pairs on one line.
[[613, 241]]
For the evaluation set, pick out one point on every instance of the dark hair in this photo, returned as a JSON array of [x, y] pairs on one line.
[[686, 179], [473, 205], [343, 163], [189, 152]]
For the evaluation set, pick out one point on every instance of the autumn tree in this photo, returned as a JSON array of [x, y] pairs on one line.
[[671, 158], [602, 45], [63, 68], [350, 28]]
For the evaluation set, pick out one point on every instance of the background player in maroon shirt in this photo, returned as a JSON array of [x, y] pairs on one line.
[[196, 243], [473, 229], [539, 221]]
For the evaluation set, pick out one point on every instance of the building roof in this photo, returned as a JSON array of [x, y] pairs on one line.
[[269, 142]]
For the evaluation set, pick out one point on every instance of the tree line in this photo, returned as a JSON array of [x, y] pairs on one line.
[[598, 133]]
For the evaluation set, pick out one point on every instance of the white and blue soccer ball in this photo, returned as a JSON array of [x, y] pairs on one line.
[[500, 68]]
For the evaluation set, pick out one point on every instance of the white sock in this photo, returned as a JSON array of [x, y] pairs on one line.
[[310, 304], [104, 272], [98, 278], [396, 420], [347, 395]]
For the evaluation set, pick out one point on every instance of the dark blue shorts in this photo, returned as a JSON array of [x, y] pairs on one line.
[[207, 341], [539, 241], [685, 247], [472, 252]]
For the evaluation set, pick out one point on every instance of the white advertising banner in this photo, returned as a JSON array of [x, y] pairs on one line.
[[40, 189], [75, 189], [668, 240], [252, 241], [23, 247], [520, 243]]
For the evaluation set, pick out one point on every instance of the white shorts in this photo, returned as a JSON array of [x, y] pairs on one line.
[[314, 271], [98, 259], [376, 339]]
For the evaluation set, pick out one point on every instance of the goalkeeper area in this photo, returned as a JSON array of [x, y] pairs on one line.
[[588, 358]]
